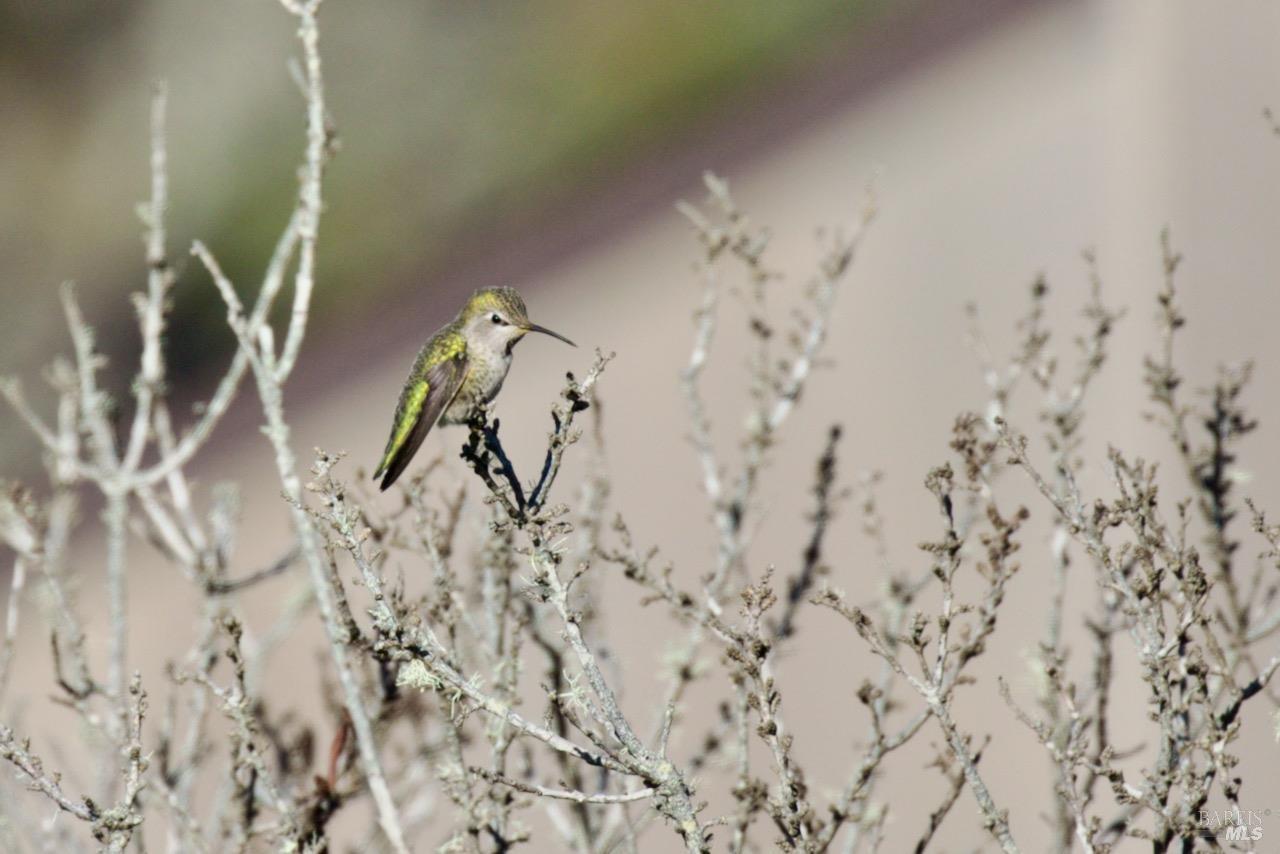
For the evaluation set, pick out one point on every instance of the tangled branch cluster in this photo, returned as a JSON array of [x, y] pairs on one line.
[[484, 712]]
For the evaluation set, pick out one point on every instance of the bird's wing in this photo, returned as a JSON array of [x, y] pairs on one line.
[[420, 406]]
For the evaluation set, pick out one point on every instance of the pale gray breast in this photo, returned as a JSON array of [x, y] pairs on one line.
[[485, 373]]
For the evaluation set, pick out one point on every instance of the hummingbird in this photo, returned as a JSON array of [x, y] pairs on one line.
[[458, 370]]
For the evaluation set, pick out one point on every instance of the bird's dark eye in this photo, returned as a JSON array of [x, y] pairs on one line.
[[497, 318]]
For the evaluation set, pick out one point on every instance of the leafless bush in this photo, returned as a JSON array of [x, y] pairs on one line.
[[426, 692]]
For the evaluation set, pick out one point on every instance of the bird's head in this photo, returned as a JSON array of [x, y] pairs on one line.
[[496, 318]]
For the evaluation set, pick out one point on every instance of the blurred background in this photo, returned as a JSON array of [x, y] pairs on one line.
[[479, 140], [544, 144]]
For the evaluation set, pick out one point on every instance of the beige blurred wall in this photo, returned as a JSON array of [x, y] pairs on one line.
[[1075, 125]]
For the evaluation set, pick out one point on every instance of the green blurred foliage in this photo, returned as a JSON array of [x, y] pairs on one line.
[[453, 117]]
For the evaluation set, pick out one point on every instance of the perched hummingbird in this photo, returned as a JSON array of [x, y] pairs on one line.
[[460, 368]]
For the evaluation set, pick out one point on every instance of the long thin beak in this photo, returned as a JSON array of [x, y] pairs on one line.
[[533, 327]]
